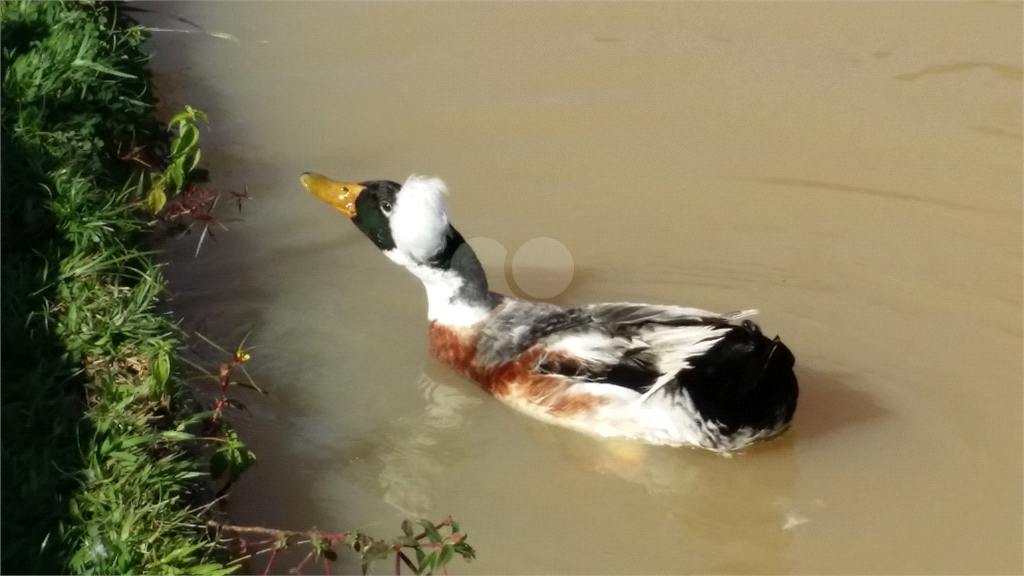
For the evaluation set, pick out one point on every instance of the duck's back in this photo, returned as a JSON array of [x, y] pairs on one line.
[[664, 374]]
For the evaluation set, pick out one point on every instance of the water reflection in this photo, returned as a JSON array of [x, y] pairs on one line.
[[416, 449], [734, 514]]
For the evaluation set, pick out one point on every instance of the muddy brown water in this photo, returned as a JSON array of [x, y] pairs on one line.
[[853, 170]]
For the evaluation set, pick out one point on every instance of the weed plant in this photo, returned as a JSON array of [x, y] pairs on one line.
[[99, 458], [90, 484]]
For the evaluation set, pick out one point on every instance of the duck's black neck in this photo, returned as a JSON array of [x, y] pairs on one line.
[[458, 259]]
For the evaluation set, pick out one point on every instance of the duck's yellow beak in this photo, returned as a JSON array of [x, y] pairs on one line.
[[341, 195]]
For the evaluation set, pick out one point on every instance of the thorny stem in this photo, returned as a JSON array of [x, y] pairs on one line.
[[275, 532]]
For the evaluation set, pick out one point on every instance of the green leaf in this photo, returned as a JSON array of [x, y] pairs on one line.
[[196, 113], [376, 551], [139, 187], [194, 419], [175, 435], [156, 199], [100, 68], [432, 534], [195, 160], [211, 570], [429, 564], [232, 457], [161, 367], [465, 550], [124, 456], [454, 525], [445, 556], [181, 116], [186, 142], [134, 441], [176, 174], [407, 541], [407, 527]]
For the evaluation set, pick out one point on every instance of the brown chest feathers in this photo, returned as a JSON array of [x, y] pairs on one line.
[[515, 380]]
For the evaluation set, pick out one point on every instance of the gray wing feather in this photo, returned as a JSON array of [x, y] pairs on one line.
[[520, 325]]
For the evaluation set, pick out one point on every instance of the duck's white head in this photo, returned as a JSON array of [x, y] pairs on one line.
[[409, 223], [419, 218]]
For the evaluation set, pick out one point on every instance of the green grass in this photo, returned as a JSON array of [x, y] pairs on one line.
[[91, 482]]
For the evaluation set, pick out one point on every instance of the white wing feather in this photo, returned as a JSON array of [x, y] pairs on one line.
[[672, 346]]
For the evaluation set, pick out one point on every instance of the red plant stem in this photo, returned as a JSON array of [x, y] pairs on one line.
[[398, 562], [270, 561], [405, 559], [225, 380], [327, 566], [298, 568]]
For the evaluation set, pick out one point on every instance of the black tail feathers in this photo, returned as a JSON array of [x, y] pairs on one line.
[[744, 381]]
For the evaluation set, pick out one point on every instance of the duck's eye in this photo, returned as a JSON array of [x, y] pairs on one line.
[[385, 206]]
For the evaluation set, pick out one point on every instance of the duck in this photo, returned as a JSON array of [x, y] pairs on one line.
[[657, 374]]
